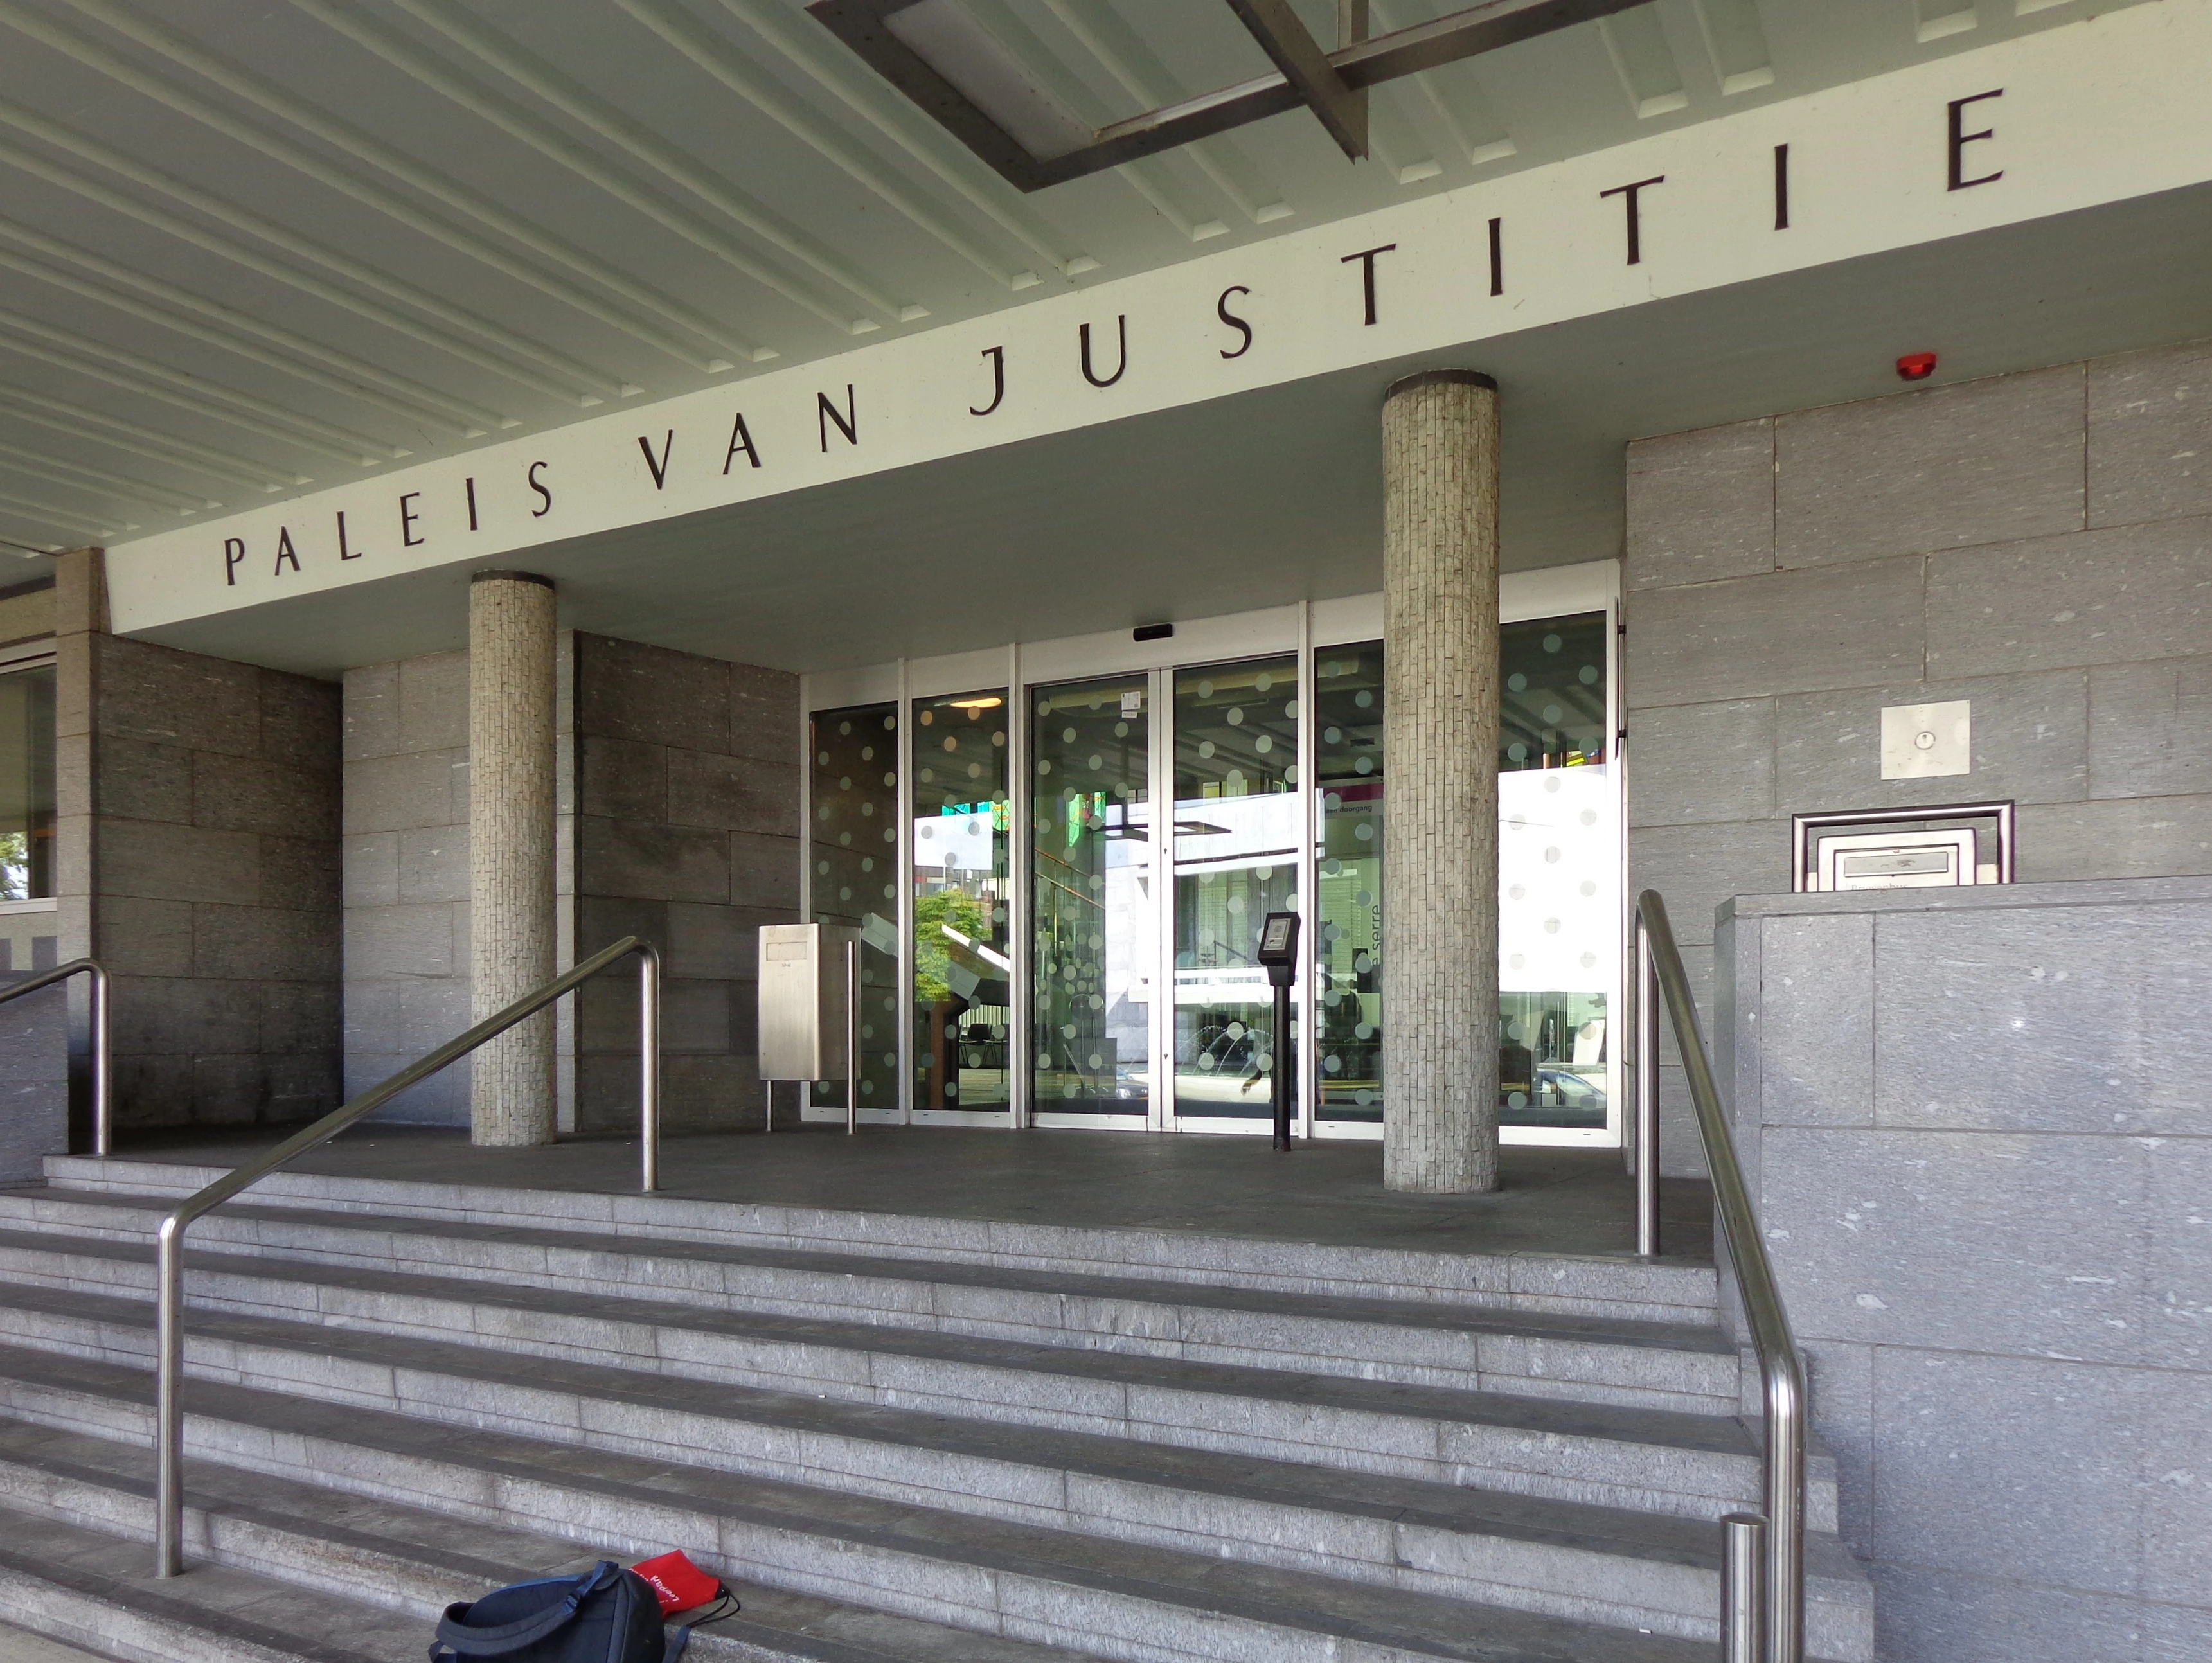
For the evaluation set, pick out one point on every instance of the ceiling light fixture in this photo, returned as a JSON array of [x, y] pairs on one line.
[[965, 79]]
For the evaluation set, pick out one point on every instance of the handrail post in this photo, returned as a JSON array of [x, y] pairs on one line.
[[1647, 1094], [648, 1066], [1784, 1475], [1743, 1591], [168, 1409], [852, 1038], [103, 1072]]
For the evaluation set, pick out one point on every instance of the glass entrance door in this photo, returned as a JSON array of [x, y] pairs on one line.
[[1239, 849], [1094, 911]]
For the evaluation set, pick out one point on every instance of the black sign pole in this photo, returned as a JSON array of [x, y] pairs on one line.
[[1279, 955]]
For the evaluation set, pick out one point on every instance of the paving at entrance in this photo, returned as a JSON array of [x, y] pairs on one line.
[[1550, 1201]]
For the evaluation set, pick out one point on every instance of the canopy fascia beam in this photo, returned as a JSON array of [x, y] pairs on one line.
[[1327, 82]]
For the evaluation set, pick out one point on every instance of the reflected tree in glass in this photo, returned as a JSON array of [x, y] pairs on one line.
[[962, 996]]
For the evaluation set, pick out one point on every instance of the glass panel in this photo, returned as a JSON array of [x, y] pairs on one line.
[[1237, 848], [1348, 913], [962, 952], [1097, 933], [26, 785], [1559, 858], [855, 847]]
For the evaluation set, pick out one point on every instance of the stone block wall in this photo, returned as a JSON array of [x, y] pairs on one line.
[[687, 833], [677, 820], [406, 851], [2039, 543], [34, 1080], [1981, 1149], [197, 857]]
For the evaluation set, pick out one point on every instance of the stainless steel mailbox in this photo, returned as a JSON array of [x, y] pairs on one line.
[[808, 992], [803, 1017]]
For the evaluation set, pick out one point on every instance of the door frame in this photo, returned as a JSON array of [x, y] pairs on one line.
[[1302, 629]]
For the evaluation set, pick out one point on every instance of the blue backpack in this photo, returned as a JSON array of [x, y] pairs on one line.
[[608, 1615]]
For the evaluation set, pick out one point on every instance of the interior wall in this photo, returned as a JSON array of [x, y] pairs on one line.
[[2039, 545]]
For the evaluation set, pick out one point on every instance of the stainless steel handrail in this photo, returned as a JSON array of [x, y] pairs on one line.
[[103, 1101], [168, 1411], [1778, 1598]]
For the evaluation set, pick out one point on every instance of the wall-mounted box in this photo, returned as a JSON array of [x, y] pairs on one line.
[[1914, 848], [804, 1017]]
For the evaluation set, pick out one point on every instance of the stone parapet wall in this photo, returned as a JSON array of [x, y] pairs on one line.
[[1981, 1149]]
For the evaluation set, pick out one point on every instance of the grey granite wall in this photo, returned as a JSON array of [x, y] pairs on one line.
[[213, 791], [34, 1077], [1981, 1147], [687, 833], [2039, 543], [677, 820]]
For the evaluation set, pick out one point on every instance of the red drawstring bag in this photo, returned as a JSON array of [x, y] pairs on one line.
[[680, 1584]]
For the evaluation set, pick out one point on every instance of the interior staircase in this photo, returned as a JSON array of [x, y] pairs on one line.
[[897, 1437]]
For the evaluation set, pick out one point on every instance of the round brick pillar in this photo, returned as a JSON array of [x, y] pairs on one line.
[[511, 831], [1440, 812]]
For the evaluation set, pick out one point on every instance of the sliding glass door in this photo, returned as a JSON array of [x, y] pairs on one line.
[[1239, 846], [1084, 860], [1094, 910]]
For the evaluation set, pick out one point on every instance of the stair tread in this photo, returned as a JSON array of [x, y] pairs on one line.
[[448, 1558], [77, 1569], [1402, 1313], [1565, 1417], [1462, 1507], [1427, 1624]]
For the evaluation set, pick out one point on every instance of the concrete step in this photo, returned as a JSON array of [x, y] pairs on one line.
[[1563, 1284], [1688, 1366], [387, 1560], [94, 1299], [1118, 1600], [90, 1589], [1527, 1553]]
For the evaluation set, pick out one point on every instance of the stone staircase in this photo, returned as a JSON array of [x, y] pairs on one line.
[[897, 1437]]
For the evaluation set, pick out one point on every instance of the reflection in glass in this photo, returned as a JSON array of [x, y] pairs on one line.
[[1558, 861], [1348, 913], [1097, 934], [962, 957], [854, 788], [26, 785], [1237, 849]]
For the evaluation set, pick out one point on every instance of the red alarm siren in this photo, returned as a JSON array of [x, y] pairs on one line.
[[1916, 366]]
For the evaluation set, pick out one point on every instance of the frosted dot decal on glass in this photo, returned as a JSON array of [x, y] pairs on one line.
[[1558, 858], [1346, 1054], [853, 794], [1095, 932]]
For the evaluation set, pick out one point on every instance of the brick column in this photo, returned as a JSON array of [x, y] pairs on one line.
[[512, 646], [1440, 748]]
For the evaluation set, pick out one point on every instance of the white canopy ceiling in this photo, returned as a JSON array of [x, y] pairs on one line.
[[246, 250]]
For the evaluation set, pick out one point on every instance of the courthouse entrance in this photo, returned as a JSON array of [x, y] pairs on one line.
[[1057, 856]]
